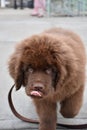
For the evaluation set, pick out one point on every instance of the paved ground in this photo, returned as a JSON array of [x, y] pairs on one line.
[[16, 25]]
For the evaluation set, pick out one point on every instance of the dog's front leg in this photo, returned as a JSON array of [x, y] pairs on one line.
[[47, 114]]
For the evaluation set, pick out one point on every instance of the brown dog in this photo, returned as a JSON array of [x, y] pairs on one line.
[[51, 67]]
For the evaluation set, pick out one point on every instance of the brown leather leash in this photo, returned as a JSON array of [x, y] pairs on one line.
[[81, 126]]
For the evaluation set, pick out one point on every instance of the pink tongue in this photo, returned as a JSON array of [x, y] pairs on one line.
[[35, 93]]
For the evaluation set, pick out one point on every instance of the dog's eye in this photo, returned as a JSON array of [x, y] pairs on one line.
[[48, 71], [30, 70]]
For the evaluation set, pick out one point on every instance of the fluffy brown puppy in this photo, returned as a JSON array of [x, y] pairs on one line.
[[51, 67]]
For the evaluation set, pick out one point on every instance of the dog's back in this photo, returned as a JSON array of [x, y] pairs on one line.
[[71, 39]]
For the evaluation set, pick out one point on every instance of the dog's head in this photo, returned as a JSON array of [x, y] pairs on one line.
[[37, 64]]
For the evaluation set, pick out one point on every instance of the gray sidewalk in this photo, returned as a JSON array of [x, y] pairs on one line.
[[16, 25]]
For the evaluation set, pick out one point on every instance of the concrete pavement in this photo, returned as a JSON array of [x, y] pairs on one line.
[[16, 25]]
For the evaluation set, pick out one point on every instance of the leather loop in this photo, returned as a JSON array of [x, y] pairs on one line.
[[14, 110], [79, 126]]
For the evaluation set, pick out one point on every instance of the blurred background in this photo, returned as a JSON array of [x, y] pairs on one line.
[[53, 7]]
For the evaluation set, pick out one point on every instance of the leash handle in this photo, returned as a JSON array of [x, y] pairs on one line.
[[81, 126]]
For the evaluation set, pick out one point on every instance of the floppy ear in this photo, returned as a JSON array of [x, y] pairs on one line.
[[19, 76], [16, 70]]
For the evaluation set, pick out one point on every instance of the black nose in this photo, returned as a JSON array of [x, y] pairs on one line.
[[38, 86]]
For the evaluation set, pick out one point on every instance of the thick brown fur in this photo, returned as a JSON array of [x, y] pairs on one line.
[[52, 63]]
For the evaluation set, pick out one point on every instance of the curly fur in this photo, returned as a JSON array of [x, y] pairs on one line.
[[64, 50]]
